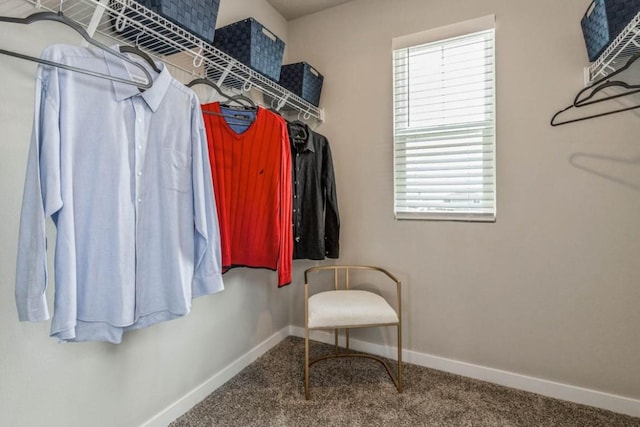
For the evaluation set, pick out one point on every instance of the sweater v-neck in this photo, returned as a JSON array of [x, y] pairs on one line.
[[228, 129]]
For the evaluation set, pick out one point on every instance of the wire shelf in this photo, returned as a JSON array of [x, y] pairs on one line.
[[625, 45], [126, 21]]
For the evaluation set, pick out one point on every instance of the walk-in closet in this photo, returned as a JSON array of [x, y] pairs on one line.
[[176, 172]]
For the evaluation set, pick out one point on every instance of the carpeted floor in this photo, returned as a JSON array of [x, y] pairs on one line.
[[358, 392]]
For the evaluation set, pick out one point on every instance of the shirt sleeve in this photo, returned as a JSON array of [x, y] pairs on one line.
[[41, 198], [208, 263], [331, 216], [285, 258]]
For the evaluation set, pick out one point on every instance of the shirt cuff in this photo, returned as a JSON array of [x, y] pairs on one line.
[[33, 309], [207, 285]]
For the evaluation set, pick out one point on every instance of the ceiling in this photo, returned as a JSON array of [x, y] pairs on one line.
[[292, 9]]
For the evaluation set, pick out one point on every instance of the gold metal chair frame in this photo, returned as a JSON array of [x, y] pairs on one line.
[[397, 379]]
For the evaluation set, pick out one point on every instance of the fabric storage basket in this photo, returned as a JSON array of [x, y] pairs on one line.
[[252, 44], [303, 80], [195, 16], [603, 21]]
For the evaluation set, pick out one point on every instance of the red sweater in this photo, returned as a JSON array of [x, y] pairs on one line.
[[251, 174]]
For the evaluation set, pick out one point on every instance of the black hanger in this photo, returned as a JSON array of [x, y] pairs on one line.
[[141, 54], [631, 89], [59, 17], [297, 131], [597, 87], [605, 82], [557, 123], [235, 98]]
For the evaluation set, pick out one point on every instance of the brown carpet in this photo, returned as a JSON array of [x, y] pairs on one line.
[[358, 392]]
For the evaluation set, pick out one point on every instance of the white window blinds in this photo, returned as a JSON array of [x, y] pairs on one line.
[[444, 129]]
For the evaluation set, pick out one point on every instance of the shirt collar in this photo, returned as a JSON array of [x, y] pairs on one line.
[[308, 146], [152, 96]]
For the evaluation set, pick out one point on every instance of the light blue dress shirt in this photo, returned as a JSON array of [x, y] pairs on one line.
[[125, 176]]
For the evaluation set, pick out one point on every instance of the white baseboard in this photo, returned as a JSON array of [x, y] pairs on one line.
[[185, 403], [611, 402]]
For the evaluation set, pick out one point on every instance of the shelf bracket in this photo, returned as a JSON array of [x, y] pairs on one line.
[[95, 18]]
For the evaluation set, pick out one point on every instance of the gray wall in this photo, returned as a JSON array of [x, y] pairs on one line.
[[98, 384], [551, 289]]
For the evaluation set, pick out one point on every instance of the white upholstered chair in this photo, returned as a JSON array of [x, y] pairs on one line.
[[347, 308]]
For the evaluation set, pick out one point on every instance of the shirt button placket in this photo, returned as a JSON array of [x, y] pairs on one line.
[[138, 167], [139, 152]]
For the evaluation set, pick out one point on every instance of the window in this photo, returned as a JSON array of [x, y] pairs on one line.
[[444, 128]]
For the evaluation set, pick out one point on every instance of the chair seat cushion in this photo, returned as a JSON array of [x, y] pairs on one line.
[[349, 308]]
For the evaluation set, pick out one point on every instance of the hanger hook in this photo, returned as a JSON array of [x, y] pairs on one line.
[[138, 38], [198, 60], [307, 114], [121, 20], [283, 101], [246, 87], [60, 6]]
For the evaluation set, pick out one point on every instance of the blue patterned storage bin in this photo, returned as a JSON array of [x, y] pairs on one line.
[[603, 21], [252, 44], [195, 16], [303, 80]]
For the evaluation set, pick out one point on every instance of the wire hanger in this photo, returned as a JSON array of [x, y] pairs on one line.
[[60, 17]]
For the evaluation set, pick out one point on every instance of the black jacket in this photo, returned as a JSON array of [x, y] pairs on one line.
[[316, 222]]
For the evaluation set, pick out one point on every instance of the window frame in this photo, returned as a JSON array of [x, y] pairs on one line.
[[446, 36]]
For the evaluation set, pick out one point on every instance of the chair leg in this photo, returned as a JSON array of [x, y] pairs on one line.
[[399, 358], [306, 364], [306, 339]]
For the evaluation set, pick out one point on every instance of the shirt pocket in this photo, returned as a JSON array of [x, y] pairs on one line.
[[176, 173]]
